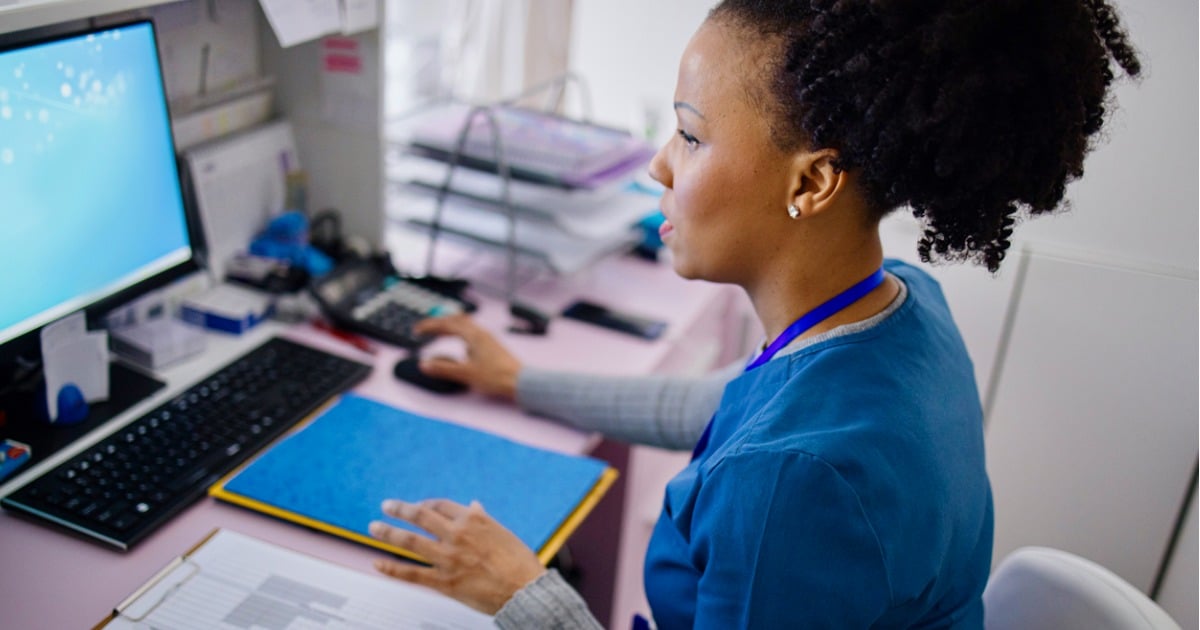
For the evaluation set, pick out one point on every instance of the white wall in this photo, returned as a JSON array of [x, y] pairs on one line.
[[1138, 198], [628, 51], [1092, 439]]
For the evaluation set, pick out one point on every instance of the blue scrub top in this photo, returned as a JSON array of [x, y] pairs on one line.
[[843, 487]]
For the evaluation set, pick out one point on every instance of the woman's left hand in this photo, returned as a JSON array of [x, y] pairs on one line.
[[473, 558]]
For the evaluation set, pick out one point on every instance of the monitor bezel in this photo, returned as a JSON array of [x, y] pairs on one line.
[[26, 348]]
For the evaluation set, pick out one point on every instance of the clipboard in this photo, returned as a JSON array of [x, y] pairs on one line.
[[154, 591], [333, 473], [229, 579]]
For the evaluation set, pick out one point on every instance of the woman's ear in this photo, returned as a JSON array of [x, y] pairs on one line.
[[817, 183]]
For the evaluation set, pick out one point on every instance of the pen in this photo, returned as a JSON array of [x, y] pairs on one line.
[[348, 337]]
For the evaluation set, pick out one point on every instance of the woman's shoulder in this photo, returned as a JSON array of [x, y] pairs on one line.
[[916, 338], [924, 291]]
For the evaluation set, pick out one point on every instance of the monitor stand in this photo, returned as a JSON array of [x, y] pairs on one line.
[[22, 415]]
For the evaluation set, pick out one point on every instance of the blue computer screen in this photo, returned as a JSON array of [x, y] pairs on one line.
[[90, 198]]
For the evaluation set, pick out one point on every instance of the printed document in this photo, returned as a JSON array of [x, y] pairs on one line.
[[234, 581]]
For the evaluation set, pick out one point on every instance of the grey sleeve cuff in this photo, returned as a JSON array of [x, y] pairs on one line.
[[656, 410], [547, 602]]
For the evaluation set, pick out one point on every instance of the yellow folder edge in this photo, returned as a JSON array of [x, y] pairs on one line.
[[545, 554], [575, 518]]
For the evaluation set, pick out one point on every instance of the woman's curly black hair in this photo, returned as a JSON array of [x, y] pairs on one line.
[[968, 111]]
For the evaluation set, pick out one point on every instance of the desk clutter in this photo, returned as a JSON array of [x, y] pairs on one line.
[[206, 181]]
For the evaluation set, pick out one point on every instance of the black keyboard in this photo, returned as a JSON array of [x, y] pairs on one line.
[[124, 487]]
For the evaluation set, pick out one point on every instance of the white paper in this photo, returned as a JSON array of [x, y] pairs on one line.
[[297, 21], [240, 184], [359, 15], [70, 354], [235, 581], [556, 147], [561, 252], [70, 327], [348, 96], [593, 214], [82, 361]]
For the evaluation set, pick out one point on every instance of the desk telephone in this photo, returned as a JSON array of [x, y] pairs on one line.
[[369, 297]]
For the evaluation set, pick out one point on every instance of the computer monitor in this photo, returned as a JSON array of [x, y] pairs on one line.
[[91, 209], [92, 213]]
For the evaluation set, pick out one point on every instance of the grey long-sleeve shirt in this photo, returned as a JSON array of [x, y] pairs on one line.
[[663, 411]]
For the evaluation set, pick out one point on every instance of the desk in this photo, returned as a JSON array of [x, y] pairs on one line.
[[54, 580]]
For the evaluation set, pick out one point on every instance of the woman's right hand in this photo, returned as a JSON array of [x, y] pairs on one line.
[[488, 367]]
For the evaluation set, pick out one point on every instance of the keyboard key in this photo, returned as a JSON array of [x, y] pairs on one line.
[[125, 521]]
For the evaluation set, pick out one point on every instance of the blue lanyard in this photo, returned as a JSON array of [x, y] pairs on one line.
[[801, 326], [818, 315]]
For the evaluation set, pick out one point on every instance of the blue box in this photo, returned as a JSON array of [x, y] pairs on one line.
[[227, 308]]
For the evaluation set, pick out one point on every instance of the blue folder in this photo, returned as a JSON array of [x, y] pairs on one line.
[[333, 474]]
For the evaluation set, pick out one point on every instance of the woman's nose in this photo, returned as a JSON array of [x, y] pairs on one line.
[[660, 171]]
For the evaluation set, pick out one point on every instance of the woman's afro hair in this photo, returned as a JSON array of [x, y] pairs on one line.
[[970, 112]]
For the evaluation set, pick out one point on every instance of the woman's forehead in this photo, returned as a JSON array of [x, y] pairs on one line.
[[722, 69], [713, 66]]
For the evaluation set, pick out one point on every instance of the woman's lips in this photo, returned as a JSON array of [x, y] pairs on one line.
[[665, 228]]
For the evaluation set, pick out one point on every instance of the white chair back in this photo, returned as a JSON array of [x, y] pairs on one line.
[[1037, 588]]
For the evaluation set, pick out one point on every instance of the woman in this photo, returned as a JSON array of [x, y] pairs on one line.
[[838, 478]]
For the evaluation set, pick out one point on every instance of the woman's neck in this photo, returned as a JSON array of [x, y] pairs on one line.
[[798, 286]]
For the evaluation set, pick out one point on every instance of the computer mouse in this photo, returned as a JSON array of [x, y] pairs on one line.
[[408, 370]]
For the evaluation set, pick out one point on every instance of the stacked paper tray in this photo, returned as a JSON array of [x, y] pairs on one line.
[[571, 197], [537, 146]]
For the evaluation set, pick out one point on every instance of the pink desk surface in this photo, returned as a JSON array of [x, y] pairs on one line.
[[56, 581]]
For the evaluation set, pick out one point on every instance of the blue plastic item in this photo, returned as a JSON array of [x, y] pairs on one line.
[[72, 407], [286, 238]]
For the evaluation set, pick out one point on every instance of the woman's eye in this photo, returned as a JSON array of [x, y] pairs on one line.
[[691, 140]]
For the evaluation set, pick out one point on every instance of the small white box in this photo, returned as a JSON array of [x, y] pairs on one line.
[[157, 343]]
